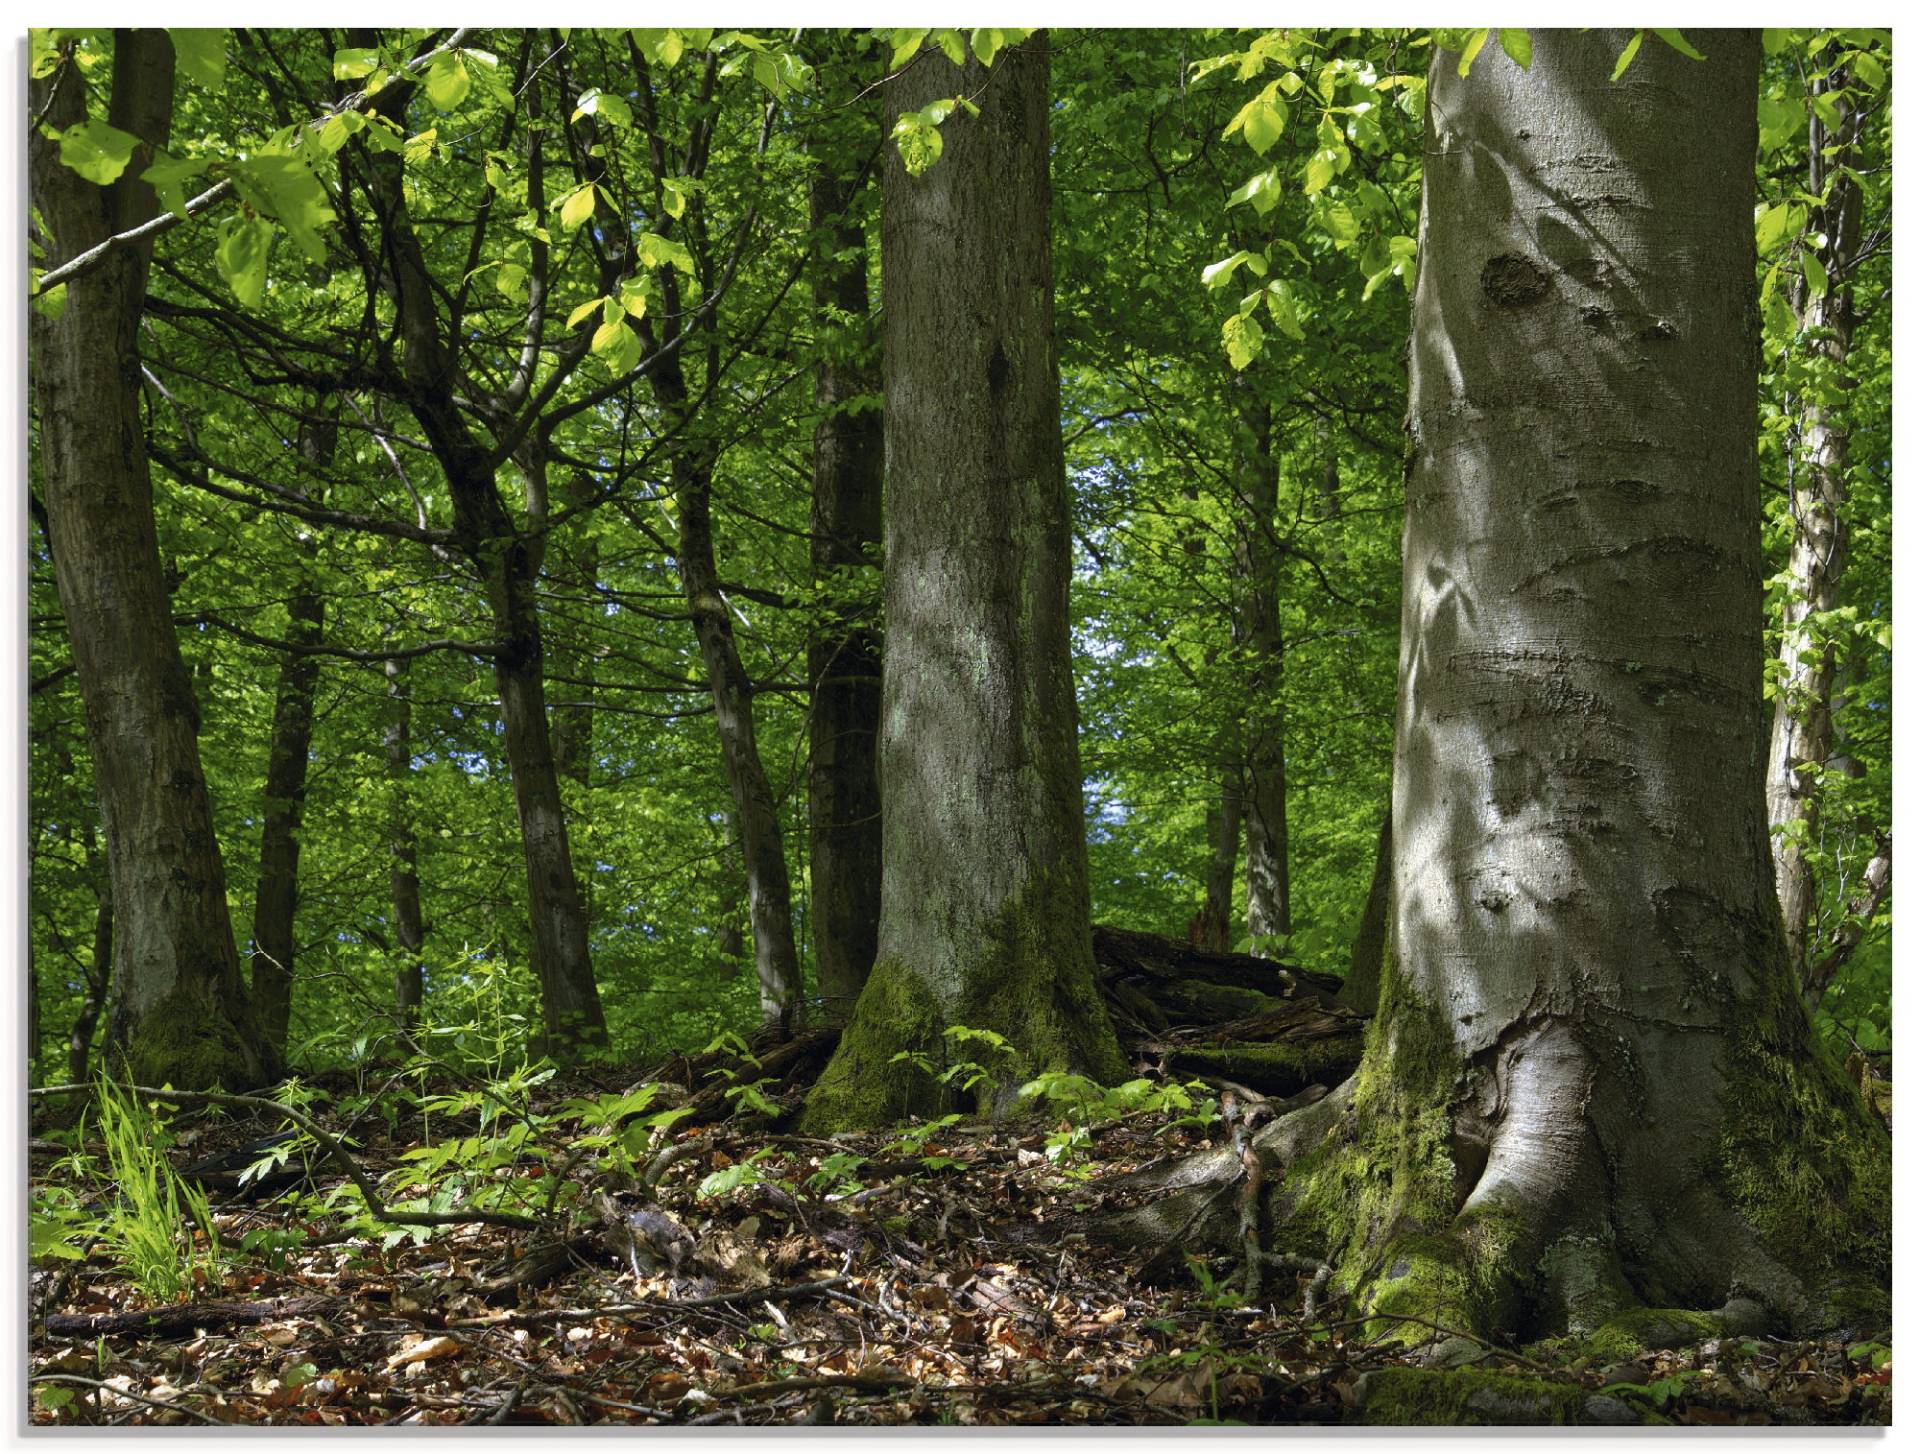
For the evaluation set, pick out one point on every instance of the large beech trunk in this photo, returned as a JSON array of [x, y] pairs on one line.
[[277, 895], [1803, 741], [843, 652], [1590, 1081], [984, 918], [181, 1011]]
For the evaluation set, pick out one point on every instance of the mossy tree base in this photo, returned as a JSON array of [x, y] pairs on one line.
[[189, 1044], [1466, 1396]]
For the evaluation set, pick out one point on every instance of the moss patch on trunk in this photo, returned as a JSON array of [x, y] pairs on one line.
[[189, 1044], [1466, 1396]]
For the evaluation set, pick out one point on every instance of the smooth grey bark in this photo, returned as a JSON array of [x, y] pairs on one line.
[[1361, 989], [403, 872], [507, 561], [1803, 741], [1589, 985], [277, 892], [181, 1010], [1260, 651], [984, 916], [843, 649]]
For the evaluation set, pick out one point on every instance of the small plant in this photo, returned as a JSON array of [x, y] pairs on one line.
[[149, 1224], [968, 1075], [835, 1176], [751, 1172], [1085, 1104]]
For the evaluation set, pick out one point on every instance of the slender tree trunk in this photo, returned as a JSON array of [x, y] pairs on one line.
[[573, 717], [984, 901], [1362, 986], [403, 873], [99, 979], [1262, 654], [278, 891], [1214, 929], [507, 562], [1591, 1081], [769, 895], [843, 652], [1803, 742], [181, 1008]]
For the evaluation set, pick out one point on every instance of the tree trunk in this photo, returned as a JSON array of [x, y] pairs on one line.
[[573, 717], [1803, 743], [1261, 653], [181, 1009], [1590, 1081], [507, 562], [843, 652], [984, 900], [403, 874], [1214, 928], [769, 894], [278, 891], [1362, 987]]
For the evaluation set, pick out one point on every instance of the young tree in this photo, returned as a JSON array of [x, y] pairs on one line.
[[984, 916], [1590, 1082], [181, 1011], [843, 652]]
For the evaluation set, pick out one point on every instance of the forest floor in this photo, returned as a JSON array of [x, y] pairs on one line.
[[946, 1278]]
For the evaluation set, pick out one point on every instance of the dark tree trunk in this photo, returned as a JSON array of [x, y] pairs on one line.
[[1214, 928], [572, 672], [181, 1009], [278, 892], [769, 895], [1362, 987], [403, 874], [1591, 1081], [984, 903], [1261, 653], [507, 562], [843, 653]]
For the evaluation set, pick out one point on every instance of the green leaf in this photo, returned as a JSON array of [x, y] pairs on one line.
[[166, 176], [1262, 190], [1771, 226], [1627, 55], [1518, 45], [511, 282], [987, 43], [1815, 272], [353, 62], [673, 196], [919, 143], [1680, 43], [618, 345], [241, 256], [285, 188], [953, 44], [1281, 307], [1320, 170], [1217, 275], [201, 55], [1243, 337], [1264, 123], [660, 47], [659, 252], [906, 45], [1473, 46], [448, 82], [97, 151], [1868, 69], [596, 102], [576, 207]]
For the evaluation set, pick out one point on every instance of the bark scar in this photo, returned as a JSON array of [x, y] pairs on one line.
[[1512, 281]]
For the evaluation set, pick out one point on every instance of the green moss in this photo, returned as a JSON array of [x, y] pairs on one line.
[[185, 1042], [863, 1087], [1467, 1396], [1387, 1174], [1802, 1157], [1274, 1069], [1634, 1331]]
